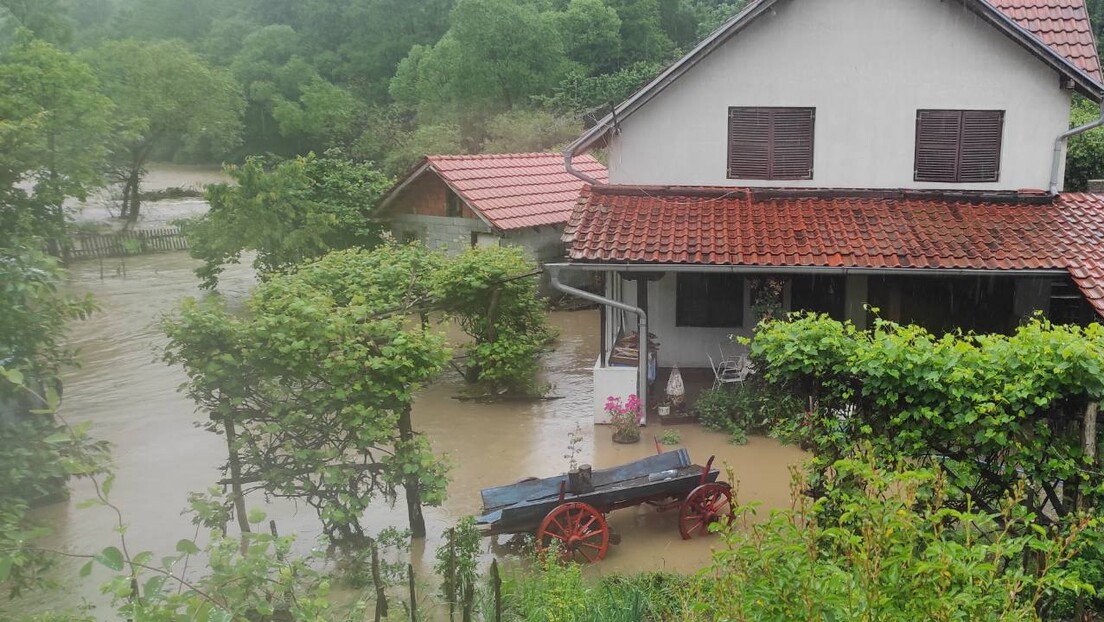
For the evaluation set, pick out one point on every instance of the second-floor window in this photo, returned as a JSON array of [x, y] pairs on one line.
[[958, 146], [770, 143]]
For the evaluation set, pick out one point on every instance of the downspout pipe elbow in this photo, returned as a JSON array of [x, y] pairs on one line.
[[642, 327], [569, 155], [1060, 143]]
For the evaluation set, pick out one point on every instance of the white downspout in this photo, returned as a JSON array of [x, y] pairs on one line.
[[1060, 142], [642, 347]]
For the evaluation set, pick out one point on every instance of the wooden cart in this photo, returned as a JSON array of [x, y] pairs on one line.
[[574, 513]]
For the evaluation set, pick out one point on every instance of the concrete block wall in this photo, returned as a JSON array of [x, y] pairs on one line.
[[452, 235]]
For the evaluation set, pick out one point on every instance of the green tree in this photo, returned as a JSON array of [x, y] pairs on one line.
[[496, 54], [47, 19], [169, 102], [1085, 152], [288, 213], [313, 389], [642, 35], [37, 455], [53, 128], [520, 131], [491, 292], [592, 35]]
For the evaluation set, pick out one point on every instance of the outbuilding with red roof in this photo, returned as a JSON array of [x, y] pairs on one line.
[[452, 202]]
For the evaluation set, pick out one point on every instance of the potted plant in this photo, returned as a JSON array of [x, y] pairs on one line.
[[625, 419]]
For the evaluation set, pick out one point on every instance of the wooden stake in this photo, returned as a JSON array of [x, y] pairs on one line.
[[381, 597], [496, 588], [413, 595]]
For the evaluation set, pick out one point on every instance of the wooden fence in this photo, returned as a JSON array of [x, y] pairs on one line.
[[93, 245]]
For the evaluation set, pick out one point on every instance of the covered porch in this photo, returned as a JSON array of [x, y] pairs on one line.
[[694, 313]]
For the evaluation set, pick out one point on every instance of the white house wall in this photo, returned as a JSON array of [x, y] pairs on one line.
[[866, 66]]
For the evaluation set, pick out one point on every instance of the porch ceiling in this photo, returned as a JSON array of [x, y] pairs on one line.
[[843, 230]]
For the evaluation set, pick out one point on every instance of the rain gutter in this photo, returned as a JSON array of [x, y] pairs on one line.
[[737, 269], [642, 334], [1060, 142]]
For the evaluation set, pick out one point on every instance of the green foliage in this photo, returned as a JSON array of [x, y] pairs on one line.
[[579, 94], [592, 35], [457, 565], [47, 20], [670, 437], [552, 591], [1085, 152], [169, 102], [54, 126], [885, 546], [254, 578], [491, 293], [496, 55], [752, 406], [38, 452], [524, 131], [996, 409], [289, 212], [318, 379]]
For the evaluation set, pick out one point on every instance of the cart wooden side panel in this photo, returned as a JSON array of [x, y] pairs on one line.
[[521, 507]]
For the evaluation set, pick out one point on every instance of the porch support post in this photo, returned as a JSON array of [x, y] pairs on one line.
[[856, 295], [642, 348]]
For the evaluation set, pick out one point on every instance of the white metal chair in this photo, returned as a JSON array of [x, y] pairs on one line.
[[723, 375]]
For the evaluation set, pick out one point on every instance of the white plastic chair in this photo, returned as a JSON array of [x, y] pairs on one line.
[[723, 375]]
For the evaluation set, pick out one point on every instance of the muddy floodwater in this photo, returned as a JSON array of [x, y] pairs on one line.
[[131, 399]]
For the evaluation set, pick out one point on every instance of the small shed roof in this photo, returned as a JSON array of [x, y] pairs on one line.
[[509, 190]]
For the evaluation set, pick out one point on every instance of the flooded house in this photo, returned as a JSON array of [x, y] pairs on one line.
[[837, 155], [453, 202]]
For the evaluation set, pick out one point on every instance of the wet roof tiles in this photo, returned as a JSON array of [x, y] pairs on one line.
[[516, 190], [842, 229]]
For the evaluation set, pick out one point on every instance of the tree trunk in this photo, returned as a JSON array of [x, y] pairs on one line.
[[236, 480], [410, 482], [133, 183]]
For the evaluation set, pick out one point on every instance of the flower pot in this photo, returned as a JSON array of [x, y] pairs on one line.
[[626, 437], [664, 411]]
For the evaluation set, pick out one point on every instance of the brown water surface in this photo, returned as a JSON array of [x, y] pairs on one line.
[[131, 399]]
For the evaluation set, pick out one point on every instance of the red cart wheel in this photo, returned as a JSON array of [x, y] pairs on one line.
[[580, 530], [704, 506]]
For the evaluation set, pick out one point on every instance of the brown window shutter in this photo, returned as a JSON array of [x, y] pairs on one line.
[[792, 154], [937, 133], [979, 157], [770, 143], [958, 146], [749, 138]]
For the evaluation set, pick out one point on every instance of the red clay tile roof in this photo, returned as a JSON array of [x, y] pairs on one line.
[[842, 229], [1061, 24], [516, 190]]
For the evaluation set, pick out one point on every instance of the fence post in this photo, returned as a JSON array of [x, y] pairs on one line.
[[496, 589], [413, 595], [381, 597]]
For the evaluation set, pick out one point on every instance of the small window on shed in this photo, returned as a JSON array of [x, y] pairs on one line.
[[958, 146], [454, 207], [770, 143]]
